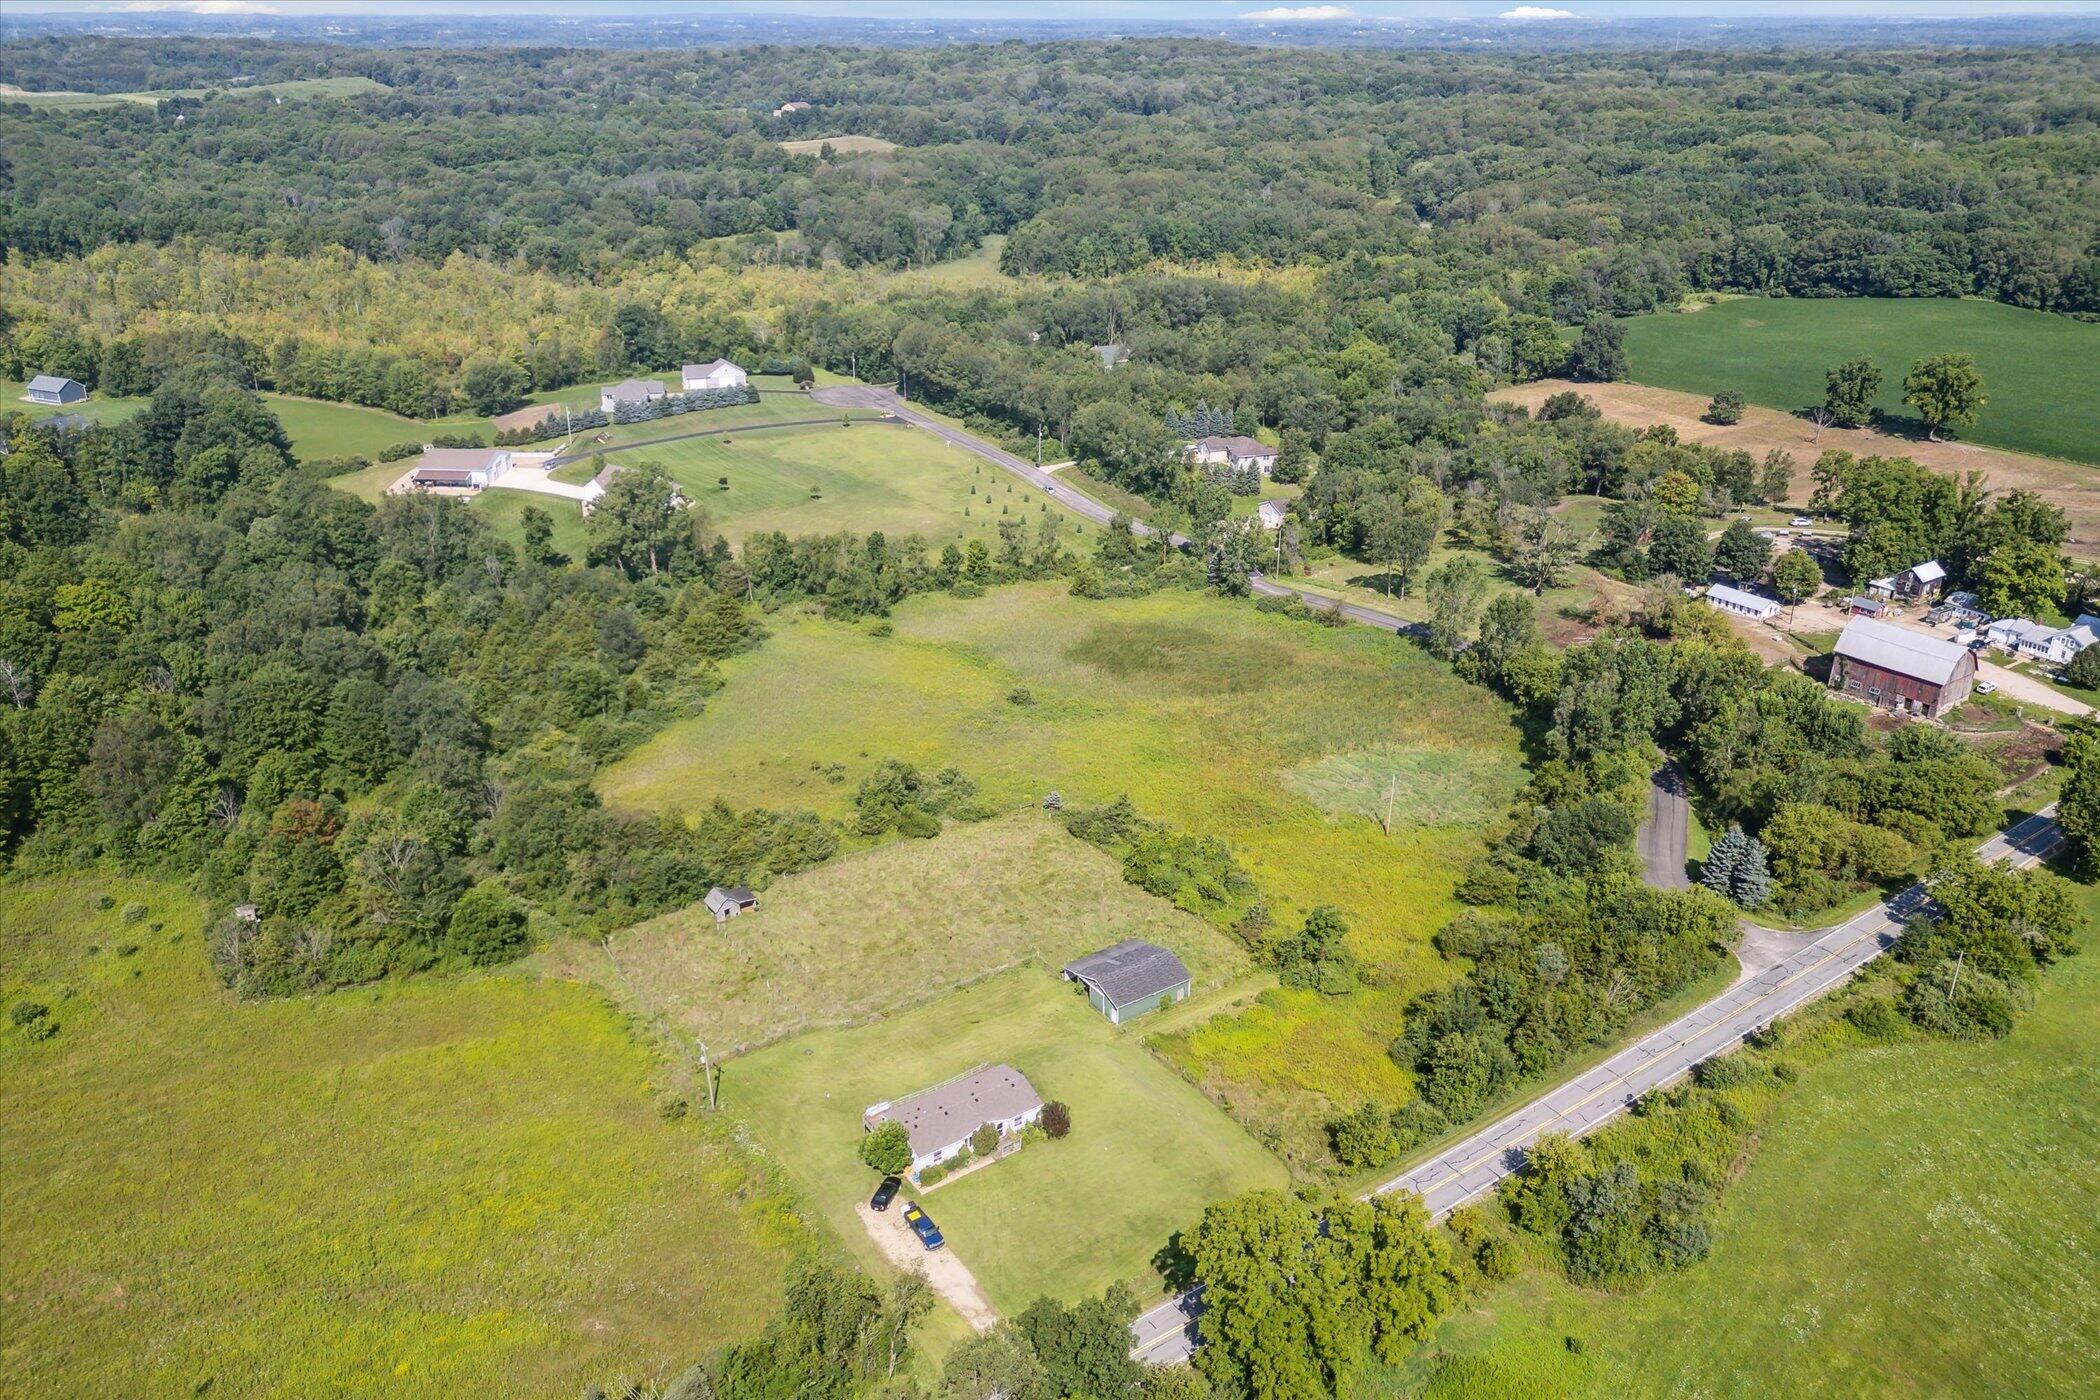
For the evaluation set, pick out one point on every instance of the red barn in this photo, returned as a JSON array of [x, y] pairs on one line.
[[1901, 670]]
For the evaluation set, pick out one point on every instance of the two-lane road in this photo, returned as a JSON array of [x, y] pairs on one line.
[[1475, 1166]]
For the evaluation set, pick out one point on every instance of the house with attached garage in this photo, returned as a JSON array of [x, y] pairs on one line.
[[1235, 452], [629, 391], [52, 388], [1901, 670], [939, 1120], [1129, 979]]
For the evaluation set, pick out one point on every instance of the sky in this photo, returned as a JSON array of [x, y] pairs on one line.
[[1112, 11]]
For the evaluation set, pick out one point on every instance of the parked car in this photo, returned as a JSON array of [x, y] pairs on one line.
[[922, 1225], [885, 1193], [1986, 687], [1802, 522]]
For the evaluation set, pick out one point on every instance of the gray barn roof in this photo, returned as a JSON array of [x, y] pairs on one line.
[[52, 383], [1130, 971], [1738, 597], [947, 1113], [1901, 650]]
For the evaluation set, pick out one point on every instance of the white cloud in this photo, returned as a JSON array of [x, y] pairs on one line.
[[203, 7], [1535, 12], [1287, 13]]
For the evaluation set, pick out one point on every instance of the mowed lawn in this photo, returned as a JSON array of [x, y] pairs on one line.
[[447, 1186], [1919, 1219], [871, 476], [869, 934], [1145, 1155], [2042, 372], [1267, 733]]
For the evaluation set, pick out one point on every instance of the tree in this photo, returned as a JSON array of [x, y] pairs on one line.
[[640, 522], [1315, 957], [1775, 476], [1457, 592], [2078, 804], [887, 1149], [1084, 1348], [1600, 351], [1545, 550], [1680, 548], [999, 1365], [1724, 860], [1743, 552], [1796, 575], [2083, 670], [1363, 1137], [492, 386], [538, 530], [1293, 460], [1849, 391], [1400, 530], [1944, 389], [1726, 408], [1057, 1119], [1752, 887], [2020, 579], [487, 926]]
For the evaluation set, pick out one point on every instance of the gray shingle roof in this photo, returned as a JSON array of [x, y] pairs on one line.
[[636, 390], [1901, 650], [702, 371], [1130, 971], [947, 1113], [49, 383]]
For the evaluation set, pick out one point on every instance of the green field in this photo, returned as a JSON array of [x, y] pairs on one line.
[[1918, 1219], [447, 1186], [1212, 716], [97, 408], [868, 477], [863, 936], [2042, 372], [293, 87], [1145, 1155]]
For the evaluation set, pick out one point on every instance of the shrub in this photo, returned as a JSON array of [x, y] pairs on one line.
[[105, 901], [1362, 1137], [1876, 1018], [1057, 1118], [24, 1013], [1417, 1121], [888, 1149], [1724, 1072], [1020, 695], [918, 822], [932, 1176], [487, 926], [1726, 408], [985, 1140], [881, 629], [400, 451], [133, 913], [1497, 1258]]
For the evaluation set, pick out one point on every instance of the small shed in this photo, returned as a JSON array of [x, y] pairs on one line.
[[728, 904], [1271, 514], [1865, 607], [1129, 979], [52, 388]]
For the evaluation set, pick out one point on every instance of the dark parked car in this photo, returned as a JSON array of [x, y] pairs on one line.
[[922, 1225], [885, 1193]]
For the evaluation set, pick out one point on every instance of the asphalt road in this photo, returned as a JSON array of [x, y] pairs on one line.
[[1665, 831], [1478, 1164]]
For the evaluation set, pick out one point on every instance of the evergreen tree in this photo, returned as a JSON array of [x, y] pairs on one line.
[[1752, 885], [1724, 862]]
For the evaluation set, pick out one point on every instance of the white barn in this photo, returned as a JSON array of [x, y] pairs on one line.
[[1741, 602]]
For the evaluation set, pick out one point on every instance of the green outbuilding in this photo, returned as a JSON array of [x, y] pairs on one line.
[[1131, 978]]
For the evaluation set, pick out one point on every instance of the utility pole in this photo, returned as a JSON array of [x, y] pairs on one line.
[[707, 1068], [1038, 447], [1955, 977]]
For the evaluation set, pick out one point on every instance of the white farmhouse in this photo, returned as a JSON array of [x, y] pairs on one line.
[[939, 1120]]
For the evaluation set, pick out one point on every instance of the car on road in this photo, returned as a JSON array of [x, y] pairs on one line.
[[885, 1193], [1986, 687], [922, 1225]]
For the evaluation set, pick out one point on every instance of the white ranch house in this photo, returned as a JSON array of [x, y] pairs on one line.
[[940, 1120], [1741, 602]]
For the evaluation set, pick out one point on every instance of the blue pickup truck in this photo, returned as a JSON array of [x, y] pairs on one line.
[[922, 1225]]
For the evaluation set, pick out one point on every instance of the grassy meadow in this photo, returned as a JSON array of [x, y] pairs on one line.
[[2042, 372], [867, 477], [349, 86], [440, 1186], [868, 934], [1267, 733], [1918, 1219], [1146, 1153]]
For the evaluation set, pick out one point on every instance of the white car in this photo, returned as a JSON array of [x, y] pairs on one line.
[[1801, 522], [1986, 687]]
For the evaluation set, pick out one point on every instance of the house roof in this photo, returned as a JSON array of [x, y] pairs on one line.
[[52, 383], [702, 371], [947, 1113], [462, 459], [633, 390], [1742, 598], [1901, 650], [444, 476], [2026, 629], [1237, 446], [1130, 971], [1927, 572], [735, 894]]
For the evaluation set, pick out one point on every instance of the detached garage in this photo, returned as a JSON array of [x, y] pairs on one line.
[[50, 388], [1130, 979]]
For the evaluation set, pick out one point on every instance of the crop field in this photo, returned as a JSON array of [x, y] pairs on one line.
[[1145, 1155], [841, 145], [868, 934], [2042, 372], [1918, 1219], [439, 1187], [1201, 711], [867, 477]]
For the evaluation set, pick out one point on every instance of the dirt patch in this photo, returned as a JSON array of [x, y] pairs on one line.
[[2070, 485], [946, 1275]]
